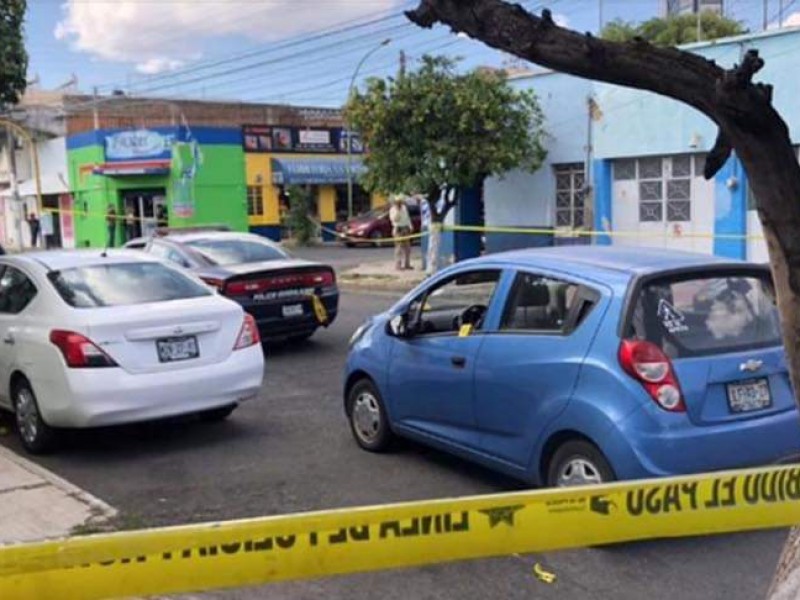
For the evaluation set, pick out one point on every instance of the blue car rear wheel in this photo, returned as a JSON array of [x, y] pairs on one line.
[[578, 462]]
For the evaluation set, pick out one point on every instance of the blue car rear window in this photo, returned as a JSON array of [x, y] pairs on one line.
[[696, 316]]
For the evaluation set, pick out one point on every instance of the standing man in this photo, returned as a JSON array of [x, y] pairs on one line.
[[111, 222], [33, 223], [401, 227]]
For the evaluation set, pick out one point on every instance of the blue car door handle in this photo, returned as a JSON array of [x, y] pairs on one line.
[[458, 361]]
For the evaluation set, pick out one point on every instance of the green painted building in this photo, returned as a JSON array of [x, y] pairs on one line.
[[173, 176]]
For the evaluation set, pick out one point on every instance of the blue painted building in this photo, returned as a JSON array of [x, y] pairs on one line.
[[630, 162]]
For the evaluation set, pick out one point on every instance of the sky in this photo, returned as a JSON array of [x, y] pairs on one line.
[[302, 52]]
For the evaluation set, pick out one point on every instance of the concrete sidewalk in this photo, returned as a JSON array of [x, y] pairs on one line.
[[381, 275], [36, 505]]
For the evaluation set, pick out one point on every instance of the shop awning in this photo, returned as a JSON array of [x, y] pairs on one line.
[[51, 183], [314, 171], [133, 167]]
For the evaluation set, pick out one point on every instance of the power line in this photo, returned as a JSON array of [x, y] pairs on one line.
[[276, 60], [299, 40]]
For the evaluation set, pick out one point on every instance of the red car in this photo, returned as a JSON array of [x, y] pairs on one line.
[[373, 226]]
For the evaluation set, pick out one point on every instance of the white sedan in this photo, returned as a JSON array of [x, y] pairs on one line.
[[91, 339]]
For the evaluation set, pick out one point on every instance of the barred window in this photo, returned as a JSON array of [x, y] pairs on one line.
[[624, 170], [665, 188], [255, 200], [570, 195]]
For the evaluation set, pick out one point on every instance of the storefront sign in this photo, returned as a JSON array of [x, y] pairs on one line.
[[139, 144], [281, 139]]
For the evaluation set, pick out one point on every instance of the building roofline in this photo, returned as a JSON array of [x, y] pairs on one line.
[[736, 39], [744, 37]]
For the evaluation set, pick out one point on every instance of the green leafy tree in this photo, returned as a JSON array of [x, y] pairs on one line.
[[673, 31], [438, 132], [13, 58], [298, 217]]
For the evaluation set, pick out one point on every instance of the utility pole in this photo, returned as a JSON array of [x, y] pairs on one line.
[[766, 15], [12, 173], [94, 111], [600, 15], [780, 14], [402, 72]]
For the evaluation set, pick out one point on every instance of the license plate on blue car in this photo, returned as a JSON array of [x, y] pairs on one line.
[[747, 396]]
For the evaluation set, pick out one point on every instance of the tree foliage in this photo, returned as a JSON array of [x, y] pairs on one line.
[[13, 58], [298, 217], [435, 130], [673, 31]]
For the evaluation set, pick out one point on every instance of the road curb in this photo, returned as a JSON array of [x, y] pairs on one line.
[[104, 510]]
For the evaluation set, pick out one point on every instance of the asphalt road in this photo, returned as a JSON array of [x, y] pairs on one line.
[[291, 451]]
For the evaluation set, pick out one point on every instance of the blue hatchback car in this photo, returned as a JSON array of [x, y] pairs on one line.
[[579, 365]]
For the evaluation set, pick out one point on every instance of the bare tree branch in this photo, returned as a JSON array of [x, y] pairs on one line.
[[540, 40], [718, 156]]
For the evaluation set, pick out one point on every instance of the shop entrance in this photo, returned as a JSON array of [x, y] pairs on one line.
[[51, 222], [149, 209]]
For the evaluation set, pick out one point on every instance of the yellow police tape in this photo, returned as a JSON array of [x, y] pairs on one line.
[[301, 546], [576, 233], [361, 240]]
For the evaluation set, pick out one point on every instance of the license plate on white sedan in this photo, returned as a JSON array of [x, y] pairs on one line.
[[292, 310], [746, 396], [177, 348]]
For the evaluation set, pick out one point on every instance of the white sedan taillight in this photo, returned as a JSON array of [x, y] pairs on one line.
[[248, 335], [79, 351]]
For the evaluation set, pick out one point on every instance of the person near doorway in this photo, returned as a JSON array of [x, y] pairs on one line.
[[162, 218], [111, 222], [130, 223], [35, 227], [401, 226]]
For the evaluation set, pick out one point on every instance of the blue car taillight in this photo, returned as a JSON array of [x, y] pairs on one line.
[[647, 363]]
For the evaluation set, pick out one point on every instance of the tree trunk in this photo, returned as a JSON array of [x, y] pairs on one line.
[[742, 110]]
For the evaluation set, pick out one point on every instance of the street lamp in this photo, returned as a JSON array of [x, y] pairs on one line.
[[385, 42]]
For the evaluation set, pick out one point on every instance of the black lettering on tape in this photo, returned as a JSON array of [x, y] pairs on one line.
[[412, 529], [340, 537], [388, 527], [690, 490], [426, 525], [209, 551], [793, 484], [259, 546], [232, 548], [285, 542], [463, 524], [359, 534], [751, 483], [672, 499]]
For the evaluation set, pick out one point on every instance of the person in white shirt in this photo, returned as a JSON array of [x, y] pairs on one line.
[[401, 226]]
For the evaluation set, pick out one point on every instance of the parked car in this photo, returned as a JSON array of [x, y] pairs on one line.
[[581, 365], [93, 339], [374, 226], [288, 297]]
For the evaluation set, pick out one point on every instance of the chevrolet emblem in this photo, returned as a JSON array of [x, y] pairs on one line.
[[751, 366]]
